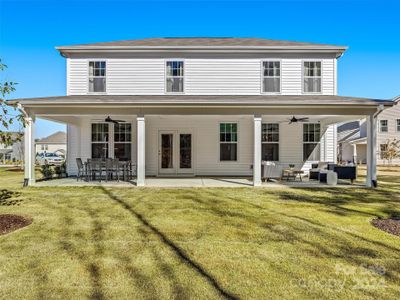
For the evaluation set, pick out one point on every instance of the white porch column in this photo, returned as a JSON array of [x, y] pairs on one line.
[[29, 151], [355, 153], [141, 148], [371, 150], [257, 151]]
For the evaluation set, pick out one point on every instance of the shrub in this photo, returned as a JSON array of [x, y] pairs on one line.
[[60, 170], [47, 171]]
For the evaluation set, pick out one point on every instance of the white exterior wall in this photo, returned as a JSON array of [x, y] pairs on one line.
[[205, 130], [74, 147], [219, 76]]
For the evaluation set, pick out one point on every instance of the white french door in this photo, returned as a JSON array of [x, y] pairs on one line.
[[175, 152]]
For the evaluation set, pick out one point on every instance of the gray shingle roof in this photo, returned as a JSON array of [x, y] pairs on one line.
[[216, 42], [185, 100]]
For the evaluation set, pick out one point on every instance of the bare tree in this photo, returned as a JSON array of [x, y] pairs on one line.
[[391, 150]]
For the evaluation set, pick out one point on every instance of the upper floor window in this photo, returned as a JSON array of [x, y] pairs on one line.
[[97, 76], [383, 125], [398, 125], [311, 138], [271, 77], [270, 142], [312, 77], [174, 77]]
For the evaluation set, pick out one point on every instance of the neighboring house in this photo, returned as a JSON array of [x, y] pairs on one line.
[[54, 143], [352, 137], [202, 106], [13, 153]]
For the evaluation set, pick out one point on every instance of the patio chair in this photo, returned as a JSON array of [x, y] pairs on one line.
[[81, 169], [131, 170], [111, 168], [96, 167]]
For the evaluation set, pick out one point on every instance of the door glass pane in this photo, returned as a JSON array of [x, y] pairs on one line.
[[167, 151], [185, 151]]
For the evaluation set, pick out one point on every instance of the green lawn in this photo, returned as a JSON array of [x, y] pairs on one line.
[[100, 243]]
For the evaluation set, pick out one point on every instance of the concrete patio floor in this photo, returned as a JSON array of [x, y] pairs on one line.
[[194, 182]]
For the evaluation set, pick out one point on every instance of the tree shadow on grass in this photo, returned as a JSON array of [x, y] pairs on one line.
[[335, 200], [7, 198], [180, 253], [97, 236], [333, 242]]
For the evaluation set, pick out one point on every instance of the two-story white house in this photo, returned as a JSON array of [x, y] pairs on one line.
[[202, 106]]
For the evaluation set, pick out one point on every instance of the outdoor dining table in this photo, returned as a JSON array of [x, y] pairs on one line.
[[124, 166]]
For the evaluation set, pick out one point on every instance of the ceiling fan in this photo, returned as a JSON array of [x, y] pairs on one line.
[[109, 120], [295, 120]]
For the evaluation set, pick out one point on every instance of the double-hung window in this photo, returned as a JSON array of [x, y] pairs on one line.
[[228, 141], [383, 125], [398, 125], [270, 142], [271, 77], [123, 141], [100, 139], [97, 76], [311, 138], [312, 77], [174, 76]]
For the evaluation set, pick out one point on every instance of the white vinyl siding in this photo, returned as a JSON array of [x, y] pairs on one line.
[[216, 76], [222, 76], [77, 80]]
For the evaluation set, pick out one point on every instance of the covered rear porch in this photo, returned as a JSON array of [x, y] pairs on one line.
[[202, 121]]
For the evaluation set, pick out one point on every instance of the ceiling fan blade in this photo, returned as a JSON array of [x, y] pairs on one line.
[[302, 119]]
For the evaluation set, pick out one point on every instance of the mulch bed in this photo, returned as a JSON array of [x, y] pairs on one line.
[[9, 223], [389, 225]]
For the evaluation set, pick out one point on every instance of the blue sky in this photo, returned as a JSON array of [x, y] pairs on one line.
[[29, 31]]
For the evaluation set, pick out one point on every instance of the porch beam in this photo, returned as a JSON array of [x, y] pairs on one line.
[[257, 151], [29, 152], [141, 148], [371, 179]]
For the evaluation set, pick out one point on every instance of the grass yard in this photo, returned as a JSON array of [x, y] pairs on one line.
[[110, 243]]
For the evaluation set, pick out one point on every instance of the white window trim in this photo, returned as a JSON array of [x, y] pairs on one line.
[[219, 143], [397, 125], [380, 126], [111, 142], [110, 154], [114, 142], [165, 76], [278, 142], [303, 142], [262, 76], [88, 61], [302, 77]]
